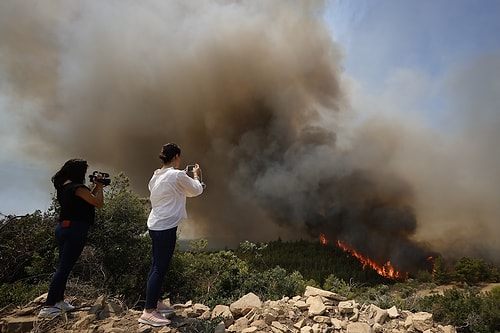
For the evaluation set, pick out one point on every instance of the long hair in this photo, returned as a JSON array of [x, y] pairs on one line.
[[74, 170]]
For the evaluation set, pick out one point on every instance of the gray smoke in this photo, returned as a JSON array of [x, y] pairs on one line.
[[253, 92]]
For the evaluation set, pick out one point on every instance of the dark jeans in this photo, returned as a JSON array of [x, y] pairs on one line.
[[163, 249], [70, 241]]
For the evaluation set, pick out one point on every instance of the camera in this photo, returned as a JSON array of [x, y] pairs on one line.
[[100, 177], [190, 168]]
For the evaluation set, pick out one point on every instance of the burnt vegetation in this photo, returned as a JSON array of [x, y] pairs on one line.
[[116, 260]]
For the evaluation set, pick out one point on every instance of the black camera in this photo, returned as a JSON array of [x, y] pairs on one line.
[[100, 177], [190, 168]]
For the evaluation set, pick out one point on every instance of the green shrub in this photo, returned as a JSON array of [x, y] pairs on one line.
[[275, 283], [205, 277], [333, 283], [20, 292], [120, 247], [27, 244], [471, 270], [441, 273], [467, 309]]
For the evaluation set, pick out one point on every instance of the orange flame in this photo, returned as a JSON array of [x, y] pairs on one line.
[[386, 270], [431, 259], [323, 239]]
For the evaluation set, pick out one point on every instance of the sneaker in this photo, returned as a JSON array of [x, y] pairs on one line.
[[153, 318], [49, 312], [163, 308], [65, 306]]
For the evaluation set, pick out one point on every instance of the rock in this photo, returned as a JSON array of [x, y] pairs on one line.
[[355, 315], [358, 328], [422, 321], [393, 312], [239, 325], [85, 321], [301, 305], [447, 329], [301, 323], [13, 324], [377, 328], [336, 323], [379, 315], [279, 326], [316, 306], [312, 291], [224, 313], [245, 304], [346, 307]]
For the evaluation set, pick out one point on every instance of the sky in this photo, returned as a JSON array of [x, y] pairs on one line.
[[405, 93]]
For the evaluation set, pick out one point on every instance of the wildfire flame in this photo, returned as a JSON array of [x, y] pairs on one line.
[[323, 239], [386, 270]]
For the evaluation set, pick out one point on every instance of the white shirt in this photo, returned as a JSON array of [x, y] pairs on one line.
[[168, 191]]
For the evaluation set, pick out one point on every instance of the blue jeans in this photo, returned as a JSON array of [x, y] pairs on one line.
[[71, 240], [163, 250]]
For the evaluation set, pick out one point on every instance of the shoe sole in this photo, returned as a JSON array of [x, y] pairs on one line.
[[49, 315], [152, 323], [68, 310]]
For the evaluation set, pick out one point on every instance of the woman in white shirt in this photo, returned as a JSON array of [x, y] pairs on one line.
[[169, 188]]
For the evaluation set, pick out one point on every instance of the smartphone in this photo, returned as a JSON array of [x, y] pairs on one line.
[[190, 168]]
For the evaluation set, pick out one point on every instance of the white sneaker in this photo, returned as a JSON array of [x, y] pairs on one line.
[[49, 312], [153, 318], [65, 306]]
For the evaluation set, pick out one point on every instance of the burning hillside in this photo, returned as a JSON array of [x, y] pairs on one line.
[[386, 270]]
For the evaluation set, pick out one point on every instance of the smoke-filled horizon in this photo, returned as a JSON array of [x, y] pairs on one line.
[[253, 92]]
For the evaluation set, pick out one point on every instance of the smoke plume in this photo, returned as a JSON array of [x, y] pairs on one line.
[[252, 91]]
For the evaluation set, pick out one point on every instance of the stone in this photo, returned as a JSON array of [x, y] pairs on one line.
[[279, 326], [301, 323], [358, 328], [245, 304], [18, 324], [316, 306], [346, 307], [393, 312], [312, 291], [422, 321], [301, 305]]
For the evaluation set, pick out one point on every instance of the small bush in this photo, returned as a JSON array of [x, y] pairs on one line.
[[334, 284], [468, 310], [20, 292]]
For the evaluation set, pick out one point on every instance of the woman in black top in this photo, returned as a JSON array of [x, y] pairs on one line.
[[77, 203]]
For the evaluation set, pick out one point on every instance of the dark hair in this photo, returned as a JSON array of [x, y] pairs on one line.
[[74, 170], [169, 151]]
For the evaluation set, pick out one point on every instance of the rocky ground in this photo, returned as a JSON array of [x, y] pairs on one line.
[[317, 311]]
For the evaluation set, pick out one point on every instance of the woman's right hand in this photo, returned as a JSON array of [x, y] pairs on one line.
[[196, 169]]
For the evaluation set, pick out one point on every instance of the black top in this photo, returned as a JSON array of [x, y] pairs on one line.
[[74, 207]]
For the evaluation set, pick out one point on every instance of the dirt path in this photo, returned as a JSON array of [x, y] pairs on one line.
[[439, 290]]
